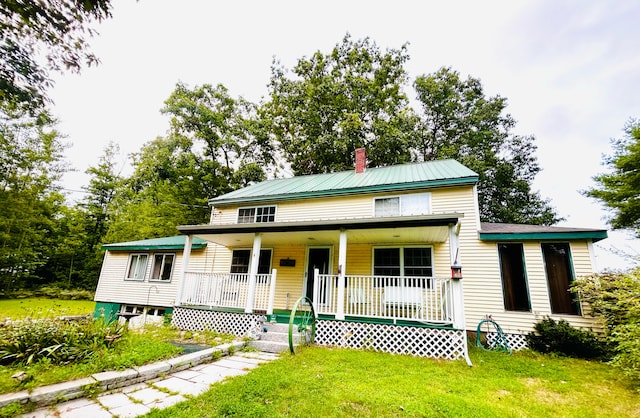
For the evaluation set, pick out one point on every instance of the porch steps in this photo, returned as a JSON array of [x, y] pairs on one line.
[[273, 339]]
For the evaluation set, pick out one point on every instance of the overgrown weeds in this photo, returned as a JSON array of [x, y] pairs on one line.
[[134, 348], [55, 341]]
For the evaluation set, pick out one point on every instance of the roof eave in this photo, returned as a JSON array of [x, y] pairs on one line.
[[361, 223], [149, 247], [594, 236], [470, 180]]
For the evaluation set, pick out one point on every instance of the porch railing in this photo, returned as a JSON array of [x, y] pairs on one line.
[[227, 290], [423, 299]]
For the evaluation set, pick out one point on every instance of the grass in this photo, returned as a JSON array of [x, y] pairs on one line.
[[43, 308], [135, 348], [350, 383]]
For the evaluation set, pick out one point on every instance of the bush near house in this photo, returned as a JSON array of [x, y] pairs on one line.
[[615, 297], [559, 337]]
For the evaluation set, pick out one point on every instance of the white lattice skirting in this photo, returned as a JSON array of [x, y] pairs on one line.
[[516, 341], [396, 339], [226, 322]]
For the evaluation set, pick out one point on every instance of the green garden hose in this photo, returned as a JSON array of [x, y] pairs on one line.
[[499, 344]]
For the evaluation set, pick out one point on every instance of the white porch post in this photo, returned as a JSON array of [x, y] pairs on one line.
[[253, 271], [456, 285], [186, 253], [342, 267], [272, 292]]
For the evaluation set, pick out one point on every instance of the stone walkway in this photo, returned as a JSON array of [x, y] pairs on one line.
[[159, 393]]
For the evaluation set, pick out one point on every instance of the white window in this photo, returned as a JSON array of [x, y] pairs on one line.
[[162, 267], [137, 267], [403, 262], [405, 205], [132, 309], [241, 258], [257, 214], [388, 206]]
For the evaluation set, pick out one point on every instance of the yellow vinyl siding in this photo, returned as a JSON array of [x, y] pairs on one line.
[[289, 280], [112, 286], [455, 199], [483, 287], [481, 267]]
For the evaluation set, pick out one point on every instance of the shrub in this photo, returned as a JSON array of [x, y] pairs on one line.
[[58, 341], [561, 338], [615, 297]]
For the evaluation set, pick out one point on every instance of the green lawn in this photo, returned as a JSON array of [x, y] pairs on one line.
[[43, 308], [323, 382]]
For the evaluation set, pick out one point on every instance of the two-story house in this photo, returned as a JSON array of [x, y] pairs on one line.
[[393, 259]]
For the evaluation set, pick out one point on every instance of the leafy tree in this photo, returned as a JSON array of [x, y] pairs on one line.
[[458, 121], [104, 183], [619, 190], [58, 27], [224, 128], [31, 163], [334, 103], [170, 186]]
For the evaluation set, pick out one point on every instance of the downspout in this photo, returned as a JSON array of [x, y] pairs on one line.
[[183, 271], [457, 288]]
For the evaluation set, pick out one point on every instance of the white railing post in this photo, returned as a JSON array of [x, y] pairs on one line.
[[316, 288], [272, 292], [342, 266], [253, 271], [186, 253]]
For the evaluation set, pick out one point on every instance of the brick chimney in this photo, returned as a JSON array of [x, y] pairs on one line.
[[361, 160]]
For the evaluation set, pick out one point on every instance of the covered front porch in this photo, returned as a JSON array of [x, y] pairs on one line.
[[330, 263], [423, 300]]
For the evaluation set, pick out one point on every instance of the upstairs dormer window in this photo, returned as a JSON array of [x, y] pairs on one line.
[[257, 214], [404, 205]]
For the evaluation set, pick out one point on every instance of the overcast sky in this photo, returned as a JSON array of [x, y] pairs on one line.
[[569, 69]]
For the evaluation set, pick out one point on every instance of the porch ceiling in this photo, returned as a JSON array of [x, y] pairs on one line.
[[413, 229]]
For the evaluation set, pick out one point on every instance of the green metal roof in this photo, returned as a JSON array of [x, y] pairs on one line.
[[379, 179], [165, 243], [518, 232]]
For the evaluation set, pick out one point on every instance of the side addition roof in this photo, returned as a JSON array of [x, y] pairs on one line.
[[379, 179], [155, 244], [517, 232]]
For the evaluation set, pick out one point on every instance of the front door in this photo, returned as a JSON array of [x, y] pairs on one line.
[[318, 258]]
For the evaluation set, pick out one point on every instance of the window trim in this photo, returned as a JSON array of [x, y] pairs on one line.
[[401, 209], [127, 272], [249, 264], [153, 266], [575, 304], [402, 261], [502, 278], [255, 213]]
